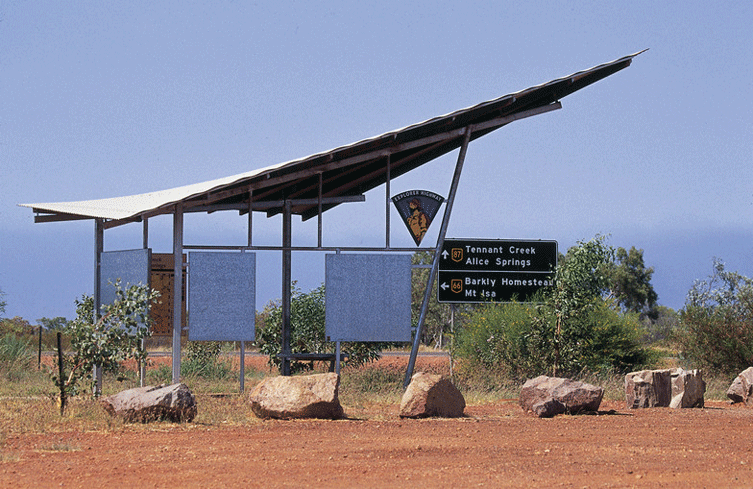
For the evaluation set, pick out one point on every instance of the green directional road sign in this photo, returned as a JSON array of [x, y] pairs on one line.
[[472, 270]]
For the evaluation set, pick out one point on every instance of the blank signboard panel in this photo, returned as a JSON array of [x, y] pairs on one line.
[[221, 296], [368, 297], [131, 267]]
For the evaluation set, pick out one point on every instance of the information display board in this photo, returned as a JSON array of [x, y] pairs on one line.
[[473, 270], [130, 267], [368, 297], [221, 296]]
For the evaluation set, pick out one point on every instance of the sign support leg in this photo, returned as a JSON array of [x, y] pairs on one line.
[[243, 367], [145, 245], [437, 251], [99, 247], [337, 357], [177, 288], [286, 288]]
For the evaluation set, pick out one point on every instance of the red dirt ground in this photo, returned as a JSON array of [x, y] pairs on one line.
[[495, 445]]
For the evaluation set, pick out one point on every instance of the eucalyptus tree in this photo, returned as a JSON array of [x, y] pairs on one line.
[[630, 282]]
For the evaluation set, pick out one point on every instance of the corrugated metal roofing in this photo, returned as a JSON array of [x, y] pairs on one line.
[[345, 171]]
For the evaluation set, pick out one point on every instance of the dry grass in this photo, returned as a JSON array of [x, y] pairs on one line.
[[28, 400]]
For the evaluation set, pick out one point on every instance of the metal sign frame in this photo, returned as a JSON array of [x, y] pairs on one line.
[[343, 175]]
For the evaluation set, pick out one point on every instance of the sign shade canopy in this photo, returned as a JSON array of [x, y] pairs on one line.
[[346, 171]]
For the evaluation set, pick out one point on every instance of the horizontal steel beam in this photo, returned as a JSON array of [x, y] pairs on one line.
[[304, 248]]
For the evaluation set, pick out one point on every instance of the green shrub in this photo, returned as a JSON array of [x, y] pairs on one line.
[[507, 341], [307, 332], [612, 342], [16, 355], [495, 338], [716, 325], [203, 360], [163, 374]]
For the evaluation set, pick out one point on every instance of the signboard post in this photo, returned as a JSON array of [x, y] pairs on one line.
[[473, 270]]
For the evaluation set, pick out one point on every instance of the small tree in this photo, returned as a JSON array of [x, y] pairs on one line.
[[579, 283], [629, 282], [115, 336], [58, 323]]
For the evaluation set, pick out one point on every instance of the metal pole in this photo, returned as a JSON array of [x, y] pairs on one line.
[[243, 366], [250, 217], [337, 357], [286, 290], [99, 247], [39, 355], [437, 251], [452, 338], [250, 243], [145, 245], [145, 233], [61, 373], [319, 213], [177, 288], [387, 192]]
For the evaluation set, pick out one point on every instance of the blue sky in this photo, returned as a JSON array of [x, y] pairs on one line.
[[102, 99]]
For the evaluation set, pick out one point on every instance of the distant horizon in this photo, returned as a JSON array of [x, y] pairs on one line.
[[309, 267]]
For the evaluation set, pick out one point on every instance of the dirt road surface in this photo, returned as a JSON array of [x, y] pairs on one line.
[[495, 445]]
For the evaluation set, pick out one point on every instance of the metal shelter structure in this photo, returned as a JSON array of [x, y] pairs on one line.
[[312, 185]]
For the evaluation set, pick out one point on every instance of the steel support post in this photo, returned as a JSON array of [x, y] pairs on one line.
[[250, 243], [145, 245], [387, 191], [286, 287], [145, 233], [243, 366], [437, 251], [99, 247], [177, 288], [319, 213]]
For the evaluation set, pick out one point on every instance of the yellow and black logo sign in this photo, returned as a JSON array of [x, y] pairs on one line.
[[417, 208], [457, 254], [456, 285]]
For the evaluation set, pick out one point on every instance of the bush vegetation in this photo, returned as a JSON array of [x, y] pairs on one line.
[[106, 339], [307, 332], [16, 356], [202, 359], [515, 342], [574, 328], [716, 325]]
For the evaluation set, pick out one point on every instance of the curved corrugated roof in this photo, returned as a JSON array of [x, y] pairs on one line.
[[345, 171]]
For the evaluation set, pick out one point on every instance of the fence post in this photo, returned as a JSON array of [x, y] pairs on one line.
[[39, 355], [61, 373]]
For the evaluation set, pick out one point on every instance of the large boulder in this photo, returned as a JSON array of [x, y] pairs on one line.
[[548, 396], [648, 388], [741, 389], [671, 387], [153, 403], [305, 396], [431, 395], [688, 388]]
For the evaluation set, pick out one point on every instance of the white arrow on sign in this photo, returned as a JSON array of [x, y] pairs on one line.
[[444, 286], [444, 254]]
